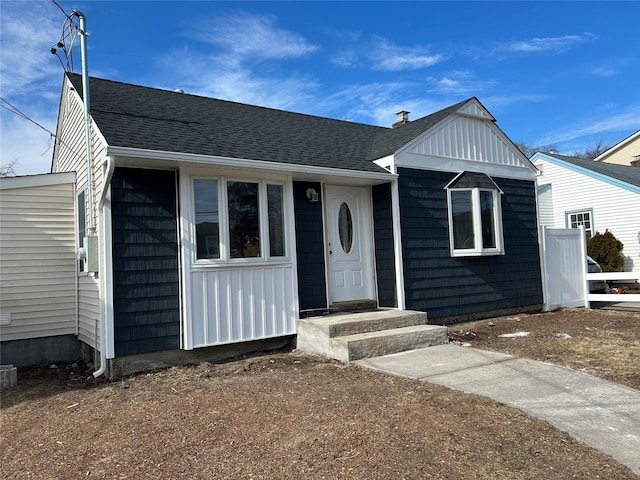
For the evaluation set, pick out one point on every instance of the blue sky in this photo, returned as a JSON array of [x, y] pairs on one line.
[[561, 73]]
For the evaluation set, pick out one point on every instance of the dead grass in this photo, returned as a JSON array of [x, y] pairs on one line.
[[603, 343], [289, 416]]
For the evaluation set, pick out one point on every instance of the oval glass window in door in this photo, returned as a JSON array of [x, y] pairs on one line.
[[345, 227]]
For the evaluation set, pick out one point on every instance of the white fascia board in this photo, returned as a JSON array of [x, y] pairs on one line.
[[617, 146], [585, 171], [39, 180], [207, 160], [456, 165]]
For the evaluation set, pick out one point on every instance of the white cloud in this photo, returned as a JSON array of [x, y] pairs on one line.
[[26, 37], [623, 121], [214, 76], [460, 82], [603, 72], [26, 144], [243, 41], [548, 44], [345, 59], [389, 57], [29, 79], [378, 103], [248, 36]]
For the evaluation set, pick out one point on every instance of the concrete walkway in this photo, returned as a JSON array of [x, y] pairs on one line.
[[604, 415]]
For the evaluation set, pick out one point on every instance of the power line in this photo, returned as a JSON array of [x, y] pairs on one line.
[[20, 113], [15, 110]]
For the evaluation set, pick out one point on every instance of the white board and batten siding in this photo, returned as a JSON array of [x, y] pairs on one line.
[[612, 208], [241, 304], [71, 157], [469, 140], [241, 300], [37, 256]]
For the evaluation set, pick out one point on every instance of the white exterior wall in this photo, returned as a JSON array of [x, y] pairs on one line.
[[614, 208], [37, 258], [466, 141], [70, 156], [236, 301], [545, 206]]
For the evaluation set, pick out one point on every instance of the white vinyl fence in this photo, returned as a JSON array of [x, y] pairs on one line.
[[563, 267], [564, 271]]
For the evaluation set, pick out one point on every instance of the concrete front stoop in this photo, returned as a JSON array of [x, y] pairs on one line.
[[352, 336]]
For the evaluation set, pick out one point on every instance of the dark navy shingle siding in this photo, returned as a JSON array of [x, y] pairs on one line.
[[145, 261], [444, 286], [383, 235], [312, 283]]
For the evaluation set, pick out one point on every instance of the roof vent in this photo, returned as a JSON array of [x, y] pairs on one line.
[[179, 90], [403, 117]]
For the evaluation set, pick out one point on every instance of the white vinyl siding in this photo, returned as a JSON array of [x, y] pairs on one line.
[[545, 205], [71, 157], [37, 253], [613, 208]]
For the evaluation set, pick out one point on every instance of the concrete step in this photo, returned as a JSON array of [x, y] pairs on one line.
[[351, 336], [385, 342]]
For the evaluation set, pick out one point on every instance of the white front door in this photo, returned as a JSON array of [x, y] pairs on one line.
[[350, 243]]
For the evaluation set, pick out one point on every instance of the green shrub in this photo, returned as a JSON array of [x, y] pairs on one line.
[[606, 249]]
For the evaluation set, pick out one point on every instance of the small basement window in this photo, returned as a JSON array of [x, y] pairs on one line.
[[475, 215]]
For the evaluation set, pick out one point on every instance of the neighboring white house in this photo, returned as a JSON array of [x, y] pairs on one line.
[[38, 308], [625, 152], [599, 196]]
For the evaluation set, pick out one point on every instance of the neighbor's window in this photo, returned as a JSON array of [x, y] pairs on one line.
[[577, 219], [475, 220], [236, 232]]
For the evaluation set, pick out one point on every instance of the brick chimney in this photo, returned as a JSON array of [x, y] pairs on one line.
[[403, 117]]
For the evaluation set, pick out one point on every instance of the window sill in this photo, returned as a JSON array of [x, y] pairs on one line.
[[252, 263], [475, 253]]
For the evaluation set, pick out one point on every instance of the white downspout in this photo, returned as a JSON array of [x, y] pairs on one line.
[[107, 175]]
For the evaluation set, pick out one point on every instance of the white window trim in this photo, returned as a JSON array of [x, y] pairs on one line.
[[478, 250], [223, 223], [590, 232]]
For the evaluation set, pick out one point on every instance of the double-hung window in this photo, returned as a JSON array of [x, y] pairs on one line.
[[475, 215], [234, 217]]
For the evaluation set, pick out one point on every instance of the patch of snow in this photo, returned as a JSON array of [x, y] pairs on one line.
[[564, 336], [515, 334]]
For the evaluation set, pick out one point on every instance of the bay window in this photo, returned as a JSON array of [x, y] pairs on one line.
[[475, 219]]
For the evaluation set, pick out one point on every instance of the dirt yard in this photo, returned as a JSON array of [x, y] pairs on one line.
[[286, 415]]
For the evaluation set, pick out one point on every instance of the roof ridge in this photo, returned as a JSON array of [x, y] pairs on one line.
[[231, 102]]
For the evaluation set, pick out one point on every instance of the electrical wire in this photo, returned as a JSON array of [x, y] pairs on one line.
[[61, 9], [15, 110], [20, 113], [68, 35]]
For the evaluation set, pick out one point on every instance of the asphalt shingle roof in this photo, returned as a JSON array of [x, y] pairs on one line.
[[149, 118], [623, 173]]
